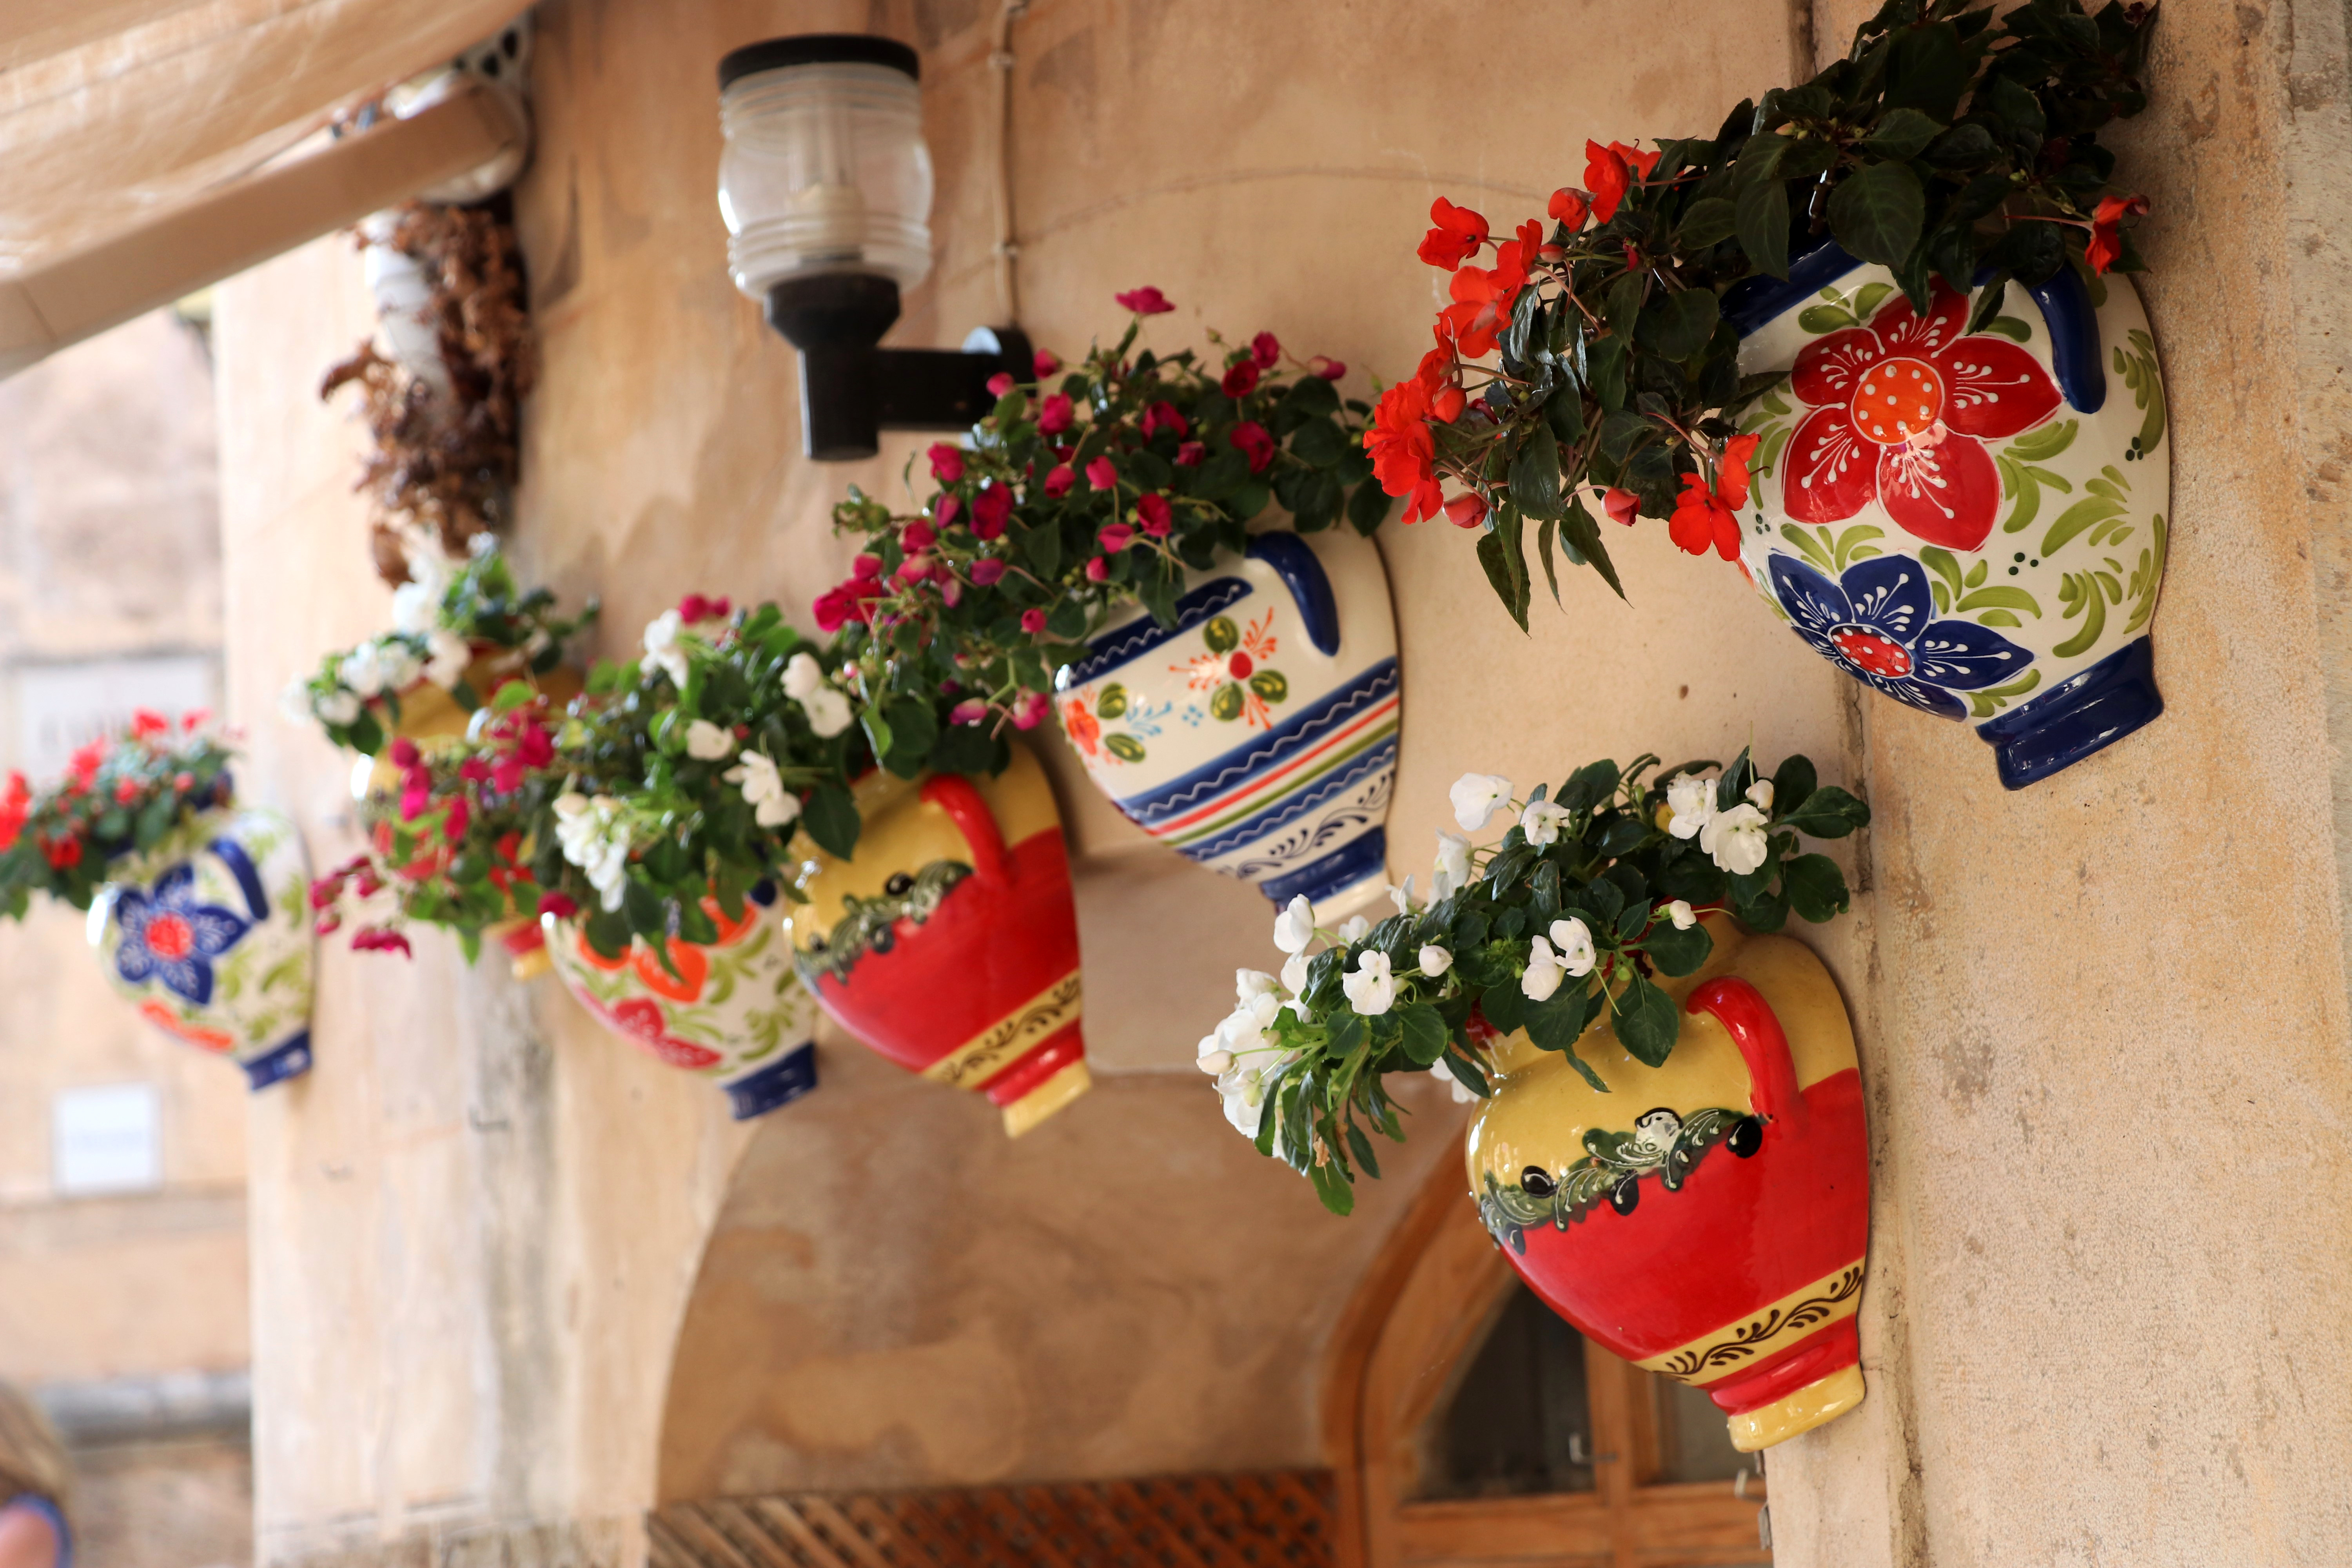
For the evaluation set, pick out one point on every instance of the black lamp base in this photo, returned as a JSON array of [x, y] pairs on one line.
[[851, 390]]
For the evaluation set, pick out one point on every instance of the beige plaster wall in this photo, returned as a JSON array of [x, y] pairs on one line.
[[2106, 1305]]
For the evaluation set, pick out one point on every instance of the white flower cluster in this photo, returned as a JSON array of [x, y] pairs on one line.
[[805, 683], [418, 646], [1737, 840], [595, 837]]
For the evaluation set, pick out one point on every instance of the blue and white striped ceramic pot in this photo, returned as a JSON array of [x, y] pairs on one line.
[[209, 935], [1973, 523], [1258, 734]]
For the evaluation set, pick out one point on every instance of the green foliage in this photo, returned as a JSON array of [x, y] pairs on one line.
[[1605, 886]]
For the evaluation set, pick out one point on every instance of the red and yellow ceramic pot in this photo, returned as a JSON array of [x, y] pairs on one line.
[[732, 1011], [949, 941], [1707, 1218]]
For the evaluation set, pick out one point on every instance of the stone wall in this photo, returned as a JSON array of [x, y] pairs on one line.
[[2102, 1021]]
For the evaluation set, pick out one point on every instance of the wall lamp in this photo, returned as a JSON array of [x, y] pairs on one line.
[[826, 189]]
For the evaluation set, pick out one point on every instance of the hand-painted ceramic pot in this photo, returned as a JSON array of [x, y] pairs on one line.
[[733, 1011], [208, 934], [1973, 523], [1258, 735], [949, 941], [1708, 1218]]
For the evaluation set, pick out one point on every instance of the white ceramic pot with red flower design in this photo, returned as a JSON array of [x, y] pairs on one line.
[[1972, 522], [732, 1011], [1258, 734], [209, 935]]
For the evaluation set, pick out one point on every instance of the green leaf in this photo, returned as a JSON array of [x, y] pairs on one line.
[[1827, 813], [648, 911], [1424, 1034], [831, 818], [1761, 210], [1646, 1022], [1331, 1184], [1678, 326], [694, 924], [1466, 1071], [1362, 1147], [1535, 473], [1960, 147], [1815, 886], [1710, 220], [1560, 1020], [1507, 570], [1369, 508], [1794, 783], [1903, 133], [1579, 532], [1926, 69], [1543, 552], [1877, 211], [1677, 952]]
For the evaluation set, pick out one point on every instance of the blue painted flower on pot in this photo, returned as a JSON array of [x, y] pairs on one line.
[[2020, 474], [1258, 734], [1877, 622], [209, 935]]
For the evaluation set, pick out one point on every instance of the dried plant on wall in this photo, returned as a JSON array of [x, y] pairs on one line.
[[444, 406]]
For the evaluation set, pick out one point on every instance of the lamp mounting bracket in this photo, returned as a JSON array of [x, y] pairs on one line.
[[852, 388]]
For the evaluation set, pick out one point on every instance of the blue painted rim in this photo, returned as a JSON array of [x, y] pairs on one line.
[[1309, 585], [291, 1059], [2086, 712], [779, 1083], [1334, 873], [1266, 750]]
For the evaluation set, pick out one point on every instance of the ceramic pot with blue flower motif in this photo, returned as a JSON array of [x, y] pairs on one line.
[[209, 935], [732, 1011], [1974, 524], [1258, 734]]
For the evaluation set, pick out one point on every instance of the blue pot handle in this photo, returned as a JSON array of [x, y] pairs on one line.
[[1303, 575], [2073, 338], [249, 880]]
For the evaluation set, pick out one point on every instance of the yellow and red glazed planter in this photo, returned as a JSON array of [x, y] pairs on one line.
[[1708, 1218], [949, 941]]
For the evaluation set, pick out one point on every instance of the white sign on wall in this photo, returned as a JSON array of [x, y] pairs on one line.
[[63, 706], [106, 1139]]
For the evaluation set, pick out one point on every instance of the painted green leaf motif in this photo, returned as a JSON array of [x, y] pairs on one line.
[[1113, 701], [1946, 583], [1999, 596], [2040, 446], [1225, 702], [2147, 387], [1270, 685], [2146, 575], [1984, 704], [2087, 595], [1127, 748], [1855, 544], [1825, 318], [1818, 554], [1221, 635], [2010, 327]]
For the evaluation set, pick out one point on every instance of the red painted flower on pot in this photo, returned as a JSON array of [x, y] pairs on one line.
[[642, 1021], [1901, 410]]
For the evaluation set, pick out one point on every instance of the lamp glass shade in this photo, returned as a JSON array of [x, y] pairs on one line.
[[825, 171]]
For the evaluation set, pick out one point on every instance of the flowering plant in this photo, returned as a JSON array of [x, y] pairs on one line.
[[121, 794], [1072, 498], [677, 776], [1947, 144], [455, 623], [1595, 890]]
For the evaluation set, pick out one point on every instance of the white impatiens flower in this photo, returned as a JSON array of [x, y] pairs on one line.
[[1736, 840], [447, 656], [1215, 1059], [706, 741], [1680, 913], [1371, 989], [1540, 822], [1692, 800], [1249, 985], [594, 838], [1435, 959], [1760, 795], [1355, 928], [664, 650], [1294, 975], [1463, 1093], [1242, 1089], [1453, 873], [772, 804], [339, 707], [363, 669], [1543, 975], [1475, 797], [1573, 938], [1294, 927], [294, 704], [401, 667], [1402, 896], [828, 711], [804, 676]]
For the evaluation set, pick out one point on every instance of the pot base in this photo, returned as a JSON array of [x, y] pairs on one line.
[[778, 1083], [2082, 714], [291, 1059], [1047, 1098], [1824, 1399]]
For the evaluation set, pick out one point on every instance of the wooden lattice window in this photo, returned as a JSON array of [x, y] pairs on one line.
[[1271, 1519]]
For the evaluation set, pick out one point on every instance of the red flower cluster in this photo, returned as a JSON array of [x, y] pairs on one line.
[[1144, 301], [1400, 445], [16, 810], [2106, 244], [852, 600], [694, 607], [1613, 171], [1705, 515]]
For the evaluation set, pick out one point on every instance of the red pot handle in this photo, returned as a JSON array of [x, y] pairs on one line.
[[954, 794], [1756, 1029]]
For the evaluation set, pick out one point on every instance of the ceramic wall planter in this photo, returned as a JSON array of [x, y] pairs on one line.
[[733, 1011], [1258, 735], [209, 935], [1973, 523], [1706, 1219], [950, 942]]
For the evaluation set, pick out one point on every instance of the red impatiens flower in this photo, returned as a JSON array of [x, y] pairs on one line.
[[1144, 301], [1046, 362], [1483, 299], [947, 460], [1250, 439], [1611, 171], [1328, 369], [146, 721], [1155, 514], [1901, 411], [694, 607], [1162, 416], [2105, 243], [1266, 351], [16, 809], [1466, 510], [990, 511], [1569, 206], [1705, 516], [62, 854], [561, 905], [1241, 380], [1457, 236], [1058, 480], [1190, 454], [1402, 450], [1056, 414], [987, 572], [1621, 505]]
